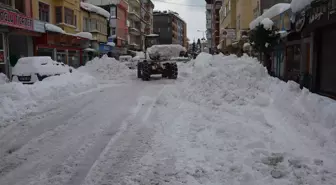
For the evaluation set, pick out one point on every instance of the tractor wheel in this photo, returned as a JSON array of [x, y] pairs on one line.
[[139, 70], [146, 71], [166, 71], [173, 71]]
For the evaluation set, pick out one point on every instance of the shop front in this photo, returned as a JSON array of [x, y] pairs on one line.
[[319, 32], [61, 47], [14, 23]]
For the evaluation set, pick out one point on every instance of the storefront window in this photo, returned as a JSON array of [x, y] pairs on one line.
[[2, 54], [61, 56], [74, 59]]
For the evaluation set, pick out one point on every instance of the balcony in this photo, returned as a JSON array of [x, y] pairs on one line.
[[209, 6], [135, 3], [134, 31], [134, 16], [208, 26]]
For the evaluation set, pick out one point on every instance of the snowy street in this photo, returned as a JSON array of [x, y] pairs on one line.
[[224, 121]]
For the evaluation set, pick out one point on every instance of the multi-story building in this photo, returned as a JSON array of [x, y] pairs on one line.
[[213, 7], [171, 28], [95, 20], [134, 25], [227, 22], [117, 27], [146, 14], [62, 20], [16, 32]]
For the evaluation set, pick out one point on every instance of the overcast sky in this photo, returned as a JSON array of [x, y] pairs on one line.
[[193, 14]]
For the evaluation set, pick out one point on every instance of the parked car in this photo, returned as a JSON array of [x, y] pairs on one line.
[[29, 70], [127, 60]]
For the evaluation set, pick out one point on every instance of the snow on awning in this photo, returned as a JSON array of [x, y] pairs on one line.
[[270, 13], [267, 23], [152, 35], [53, 28], [298, 5], [85, 35], [90, 49], [92, 8]]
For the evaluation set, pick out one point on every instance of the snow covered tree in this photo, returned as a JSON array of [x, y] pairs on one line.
[[263, 38]]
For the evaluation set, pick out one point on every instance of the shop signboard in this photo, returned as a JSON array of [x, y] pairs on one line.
[[39, 26], [16, 20]]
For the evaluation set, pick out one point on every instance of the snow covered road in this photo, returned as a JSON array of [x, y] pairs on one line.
[[77, 139]]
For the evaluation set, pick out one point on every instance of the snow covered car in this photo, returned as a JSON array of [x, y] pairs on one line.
[[127, 60], [29, 70]]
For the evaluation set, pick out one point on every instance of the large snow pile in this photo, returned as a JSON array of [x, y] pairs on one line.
[[106, 68], [3, 79], [298, 5], [17, 99], [229, 122], [165, 51]]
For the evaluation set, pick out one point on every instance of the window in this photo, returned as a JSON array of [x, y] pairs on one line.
[[58, 12], [7, 2], [20, 5], [93, 24], [68, 16], [113, 12], [44, 12], [113, 31], [86, 24]]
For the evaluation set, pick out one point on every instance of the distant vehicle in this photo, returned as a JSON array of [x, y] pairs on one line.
[[127, 60], [158, 59], [29, 70]]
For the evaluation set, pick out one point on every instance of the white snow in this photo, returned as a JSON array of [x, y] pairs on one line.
[[111, 44], [39, 64], [275, 10], [226, 121], [267, 23], [3, 79], [53, 28], [92, 8], [106, 68], [17, 100], [86, 35], [298, 5], [152, 35], [165, 51]]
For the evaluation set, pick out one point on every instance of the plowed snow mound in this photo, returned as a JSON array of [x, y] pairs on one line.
[[165, 51], [106, 68]]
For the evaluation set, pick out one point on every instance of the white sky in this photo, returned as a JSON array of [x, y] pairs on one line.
[[194, 16]]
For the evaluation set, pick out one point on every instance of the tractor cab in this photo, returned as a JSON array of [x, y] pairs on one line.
[[151, 40]]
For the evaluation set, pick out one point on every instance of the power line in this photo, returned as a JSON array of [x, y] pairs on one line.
[[190, 5]]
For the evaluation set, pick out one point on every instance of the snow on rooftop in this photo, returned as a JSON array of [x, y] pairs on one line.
[[152, 35], [92, 8], [53, 28], [298, 5], [85, 35], [270, 13]]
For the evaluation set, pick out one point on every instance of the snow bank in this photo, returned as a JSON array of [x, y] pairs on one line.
[[298, 5], [165, 51], [106, 68], [229, 122], [17, 100], [92, 8], [3, 79]]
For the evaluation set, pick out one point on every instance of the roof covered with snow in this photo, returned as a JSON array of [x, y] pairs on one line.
[[298, 5], [270, 13], [85, 35], [53, 28], [92, 8]]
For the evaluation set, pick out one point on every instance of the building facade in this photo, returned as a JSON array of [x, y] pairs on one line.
[[146, 14], [16, 32], [213, 23], [171, 28], [227, 22], [134, 25]]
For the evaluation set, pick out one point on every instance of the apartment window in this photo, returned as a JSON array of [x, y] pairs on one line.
[[44, 12], [19, 5], [58, 12], [113, 31], [86, 24], [69, 16], [93, 24], [113, 12]]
